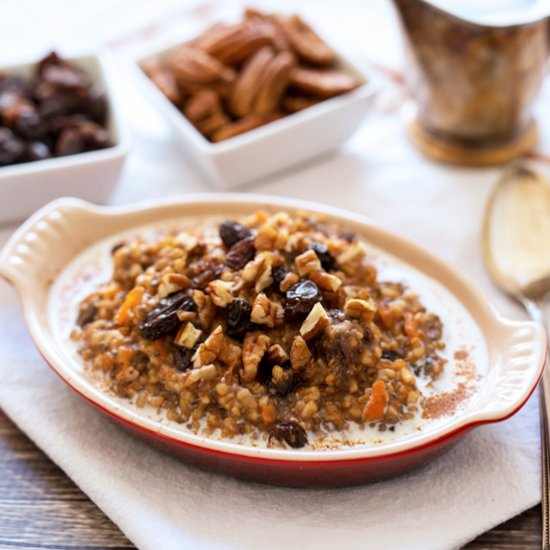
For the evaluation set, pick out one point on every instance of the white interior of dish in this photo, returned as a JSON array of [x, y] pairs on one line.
[[71, 236], [94, 265]]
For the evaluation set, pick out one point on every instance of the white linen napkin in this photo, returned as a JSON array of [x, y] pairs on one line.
[[159, 502]]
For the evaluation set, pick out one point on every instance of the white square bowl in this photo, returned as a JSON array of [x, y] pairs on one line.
[[91, 175], [271, 148]]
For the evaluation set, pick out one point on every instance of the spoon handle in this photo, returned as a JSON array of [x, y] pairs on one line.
[[545, 463], [536, 311]]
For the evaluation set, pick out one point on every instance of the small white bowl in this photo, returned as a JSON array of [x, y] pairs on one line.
[[271, 148], [90, 175]]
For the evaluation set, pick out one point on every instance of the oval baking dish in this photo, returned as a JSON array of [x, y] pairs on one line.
[[51, 258]]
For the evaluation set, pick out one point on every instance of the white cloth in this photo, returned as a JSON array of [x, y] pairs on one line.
[[159, 502]]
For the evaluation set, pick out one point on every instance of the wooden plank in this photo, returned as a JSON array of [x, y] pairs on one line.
[[41, 508]]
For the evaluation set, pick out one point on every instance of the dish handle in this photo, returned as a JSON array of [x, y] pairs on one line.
[[520, 355], [51, 230]]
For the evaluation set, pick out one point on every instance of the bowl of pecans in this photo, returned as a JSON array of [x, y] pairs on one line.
[[60, 133], [254, 97]]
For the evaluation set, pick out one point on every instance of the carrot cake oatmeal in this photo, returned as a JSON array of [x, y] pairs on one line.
[[274, 325]]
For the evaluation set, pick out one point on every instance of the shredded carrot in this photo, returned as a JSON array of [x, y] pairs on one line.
[[133, 298], [377, 402], [410, 326], [269, 413], [386, 315]]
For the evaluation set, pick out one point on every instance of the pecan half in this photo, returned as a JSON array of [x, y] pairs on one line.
[[324, 84], [277, 35], [232, 44], [164, 80], [194, 68], [274, 83], [246, 85], [201, 105], [243, 125], [295, 103], [212, 124], [305, 42]]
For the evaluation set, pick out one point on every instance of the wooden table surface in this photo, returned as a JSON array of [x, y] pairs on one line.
[[40, 507]]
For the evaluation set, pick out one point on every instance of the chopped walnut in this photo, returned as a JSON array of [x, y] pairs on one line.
[[271, 238], [186, 315], [209, 349], [187, 336], [205, 307], [259, 269], [221, 292], [172, 282], [307, 262], [266, 312], [289, 281], [353, 251], [315, 323], [364, 310], [300, 355], [188, 241], [206, 372], [277, 355], [254, 347], [325, 281]]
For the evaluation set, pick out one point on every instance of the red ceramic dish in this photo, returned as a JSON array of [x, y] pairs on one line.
[[64, 248]]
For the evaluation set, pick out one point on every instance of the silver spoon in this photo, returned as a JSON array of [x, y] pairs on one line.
[[516, 250]]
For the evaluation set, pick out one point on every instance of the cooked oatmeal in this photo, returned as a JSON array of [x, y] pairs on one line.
[[272, 326]]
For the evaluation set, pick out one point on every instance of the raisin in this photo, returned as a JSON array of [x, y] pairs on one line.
[[238, 319], [86, 315], [183, 357], [291, 432], [300, 299], [163, 318], [231, 232], [391, 355], [324, 255], [240, 253], [278, 274]]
